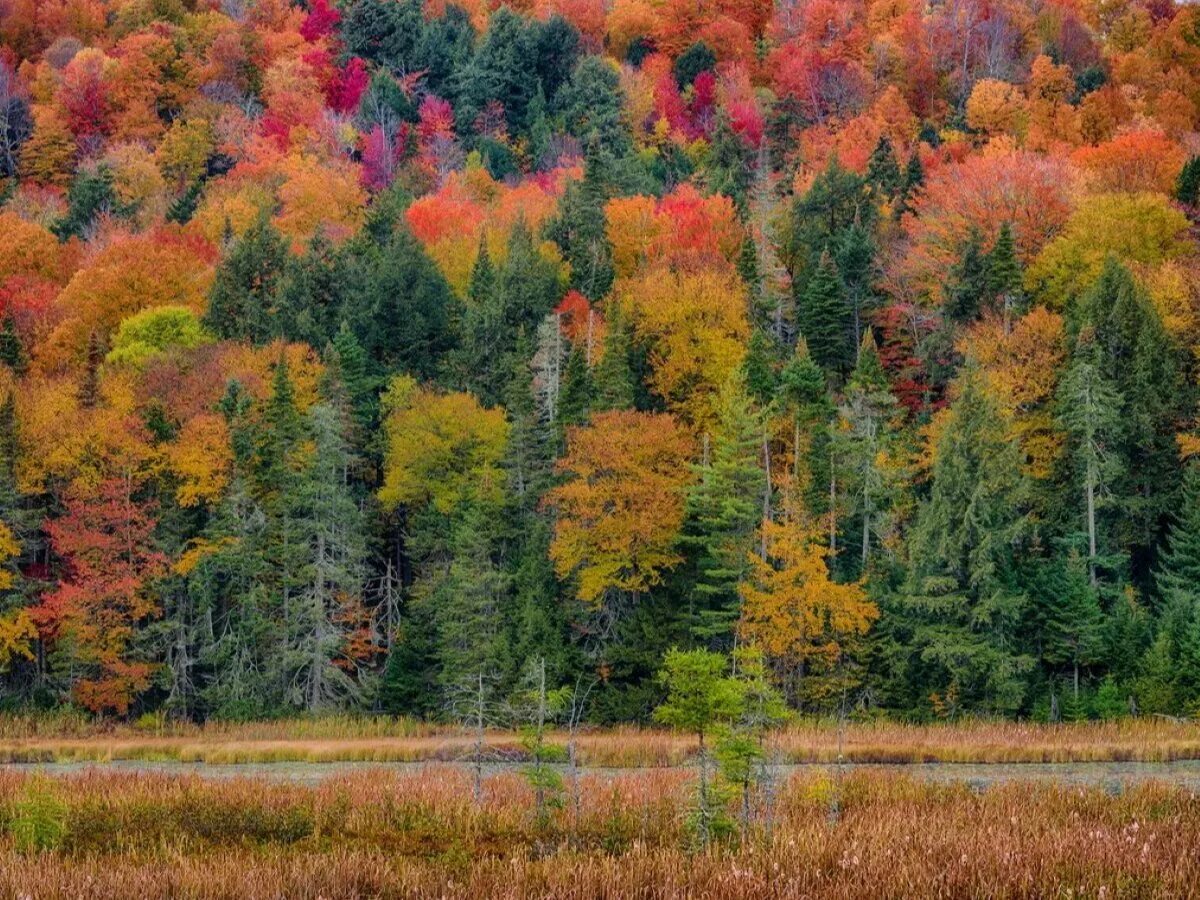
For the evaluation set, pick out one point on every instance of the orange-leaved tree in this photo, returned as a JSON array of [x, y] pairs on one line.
[[106, 542]]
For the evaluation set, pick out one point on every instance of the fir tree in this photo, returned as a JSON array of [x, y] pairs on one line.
[[579, 230], [1187, 185], [1004, 275], [1090, 406], [959, 615], [824, 315], [12, 351], [612, 377], [401, 309], [968, 281], [724, 509], [325, 642], [574, 400], [241, 305], [1178, 581], [1069, 621], [883, 170], [864, 444]]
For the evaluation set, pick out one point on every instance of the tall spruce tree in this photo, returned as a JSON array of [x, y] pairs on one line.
[[825, 316], [865, 446], [613, 380], [242, 302], [1089, 409], [956, 624], [724, 509]]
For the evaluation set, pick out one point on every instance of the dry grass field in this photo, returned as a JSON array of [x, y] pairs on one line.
[[350, 739], [417, 834]]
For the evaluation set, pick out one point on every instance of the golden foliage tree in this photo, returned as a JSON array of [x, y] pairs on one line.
[[622, 505]]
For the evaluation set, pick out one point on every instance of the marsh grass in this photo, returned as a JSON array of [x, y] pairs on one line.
[[420, 834], [382, 739]]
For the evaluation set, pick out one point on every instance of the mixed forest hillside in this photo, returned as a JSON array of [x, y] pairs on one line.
[[354, 355]]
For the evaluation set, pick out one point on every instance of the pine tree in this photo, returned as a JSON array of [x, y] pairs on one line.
[[968, 281], [883, 170], [854, 255], [574, 400], [351, 366], [824, 315], [12, 352], [1068, 619], [956, 622], [468, 599], [401, 308], [1140, 361], [724, 508], [865, 442], [1178, 581], [728, 165], [327, 641], [1089, 409], [612, 377], [914, 180], [803, 396], [579, 229], [309, 296], [241, 305], [1187, 185], [1004, 275]]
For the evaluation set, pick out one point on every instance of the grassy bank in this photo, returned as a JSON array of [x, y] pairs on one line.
[[400, 740], [420, 834]]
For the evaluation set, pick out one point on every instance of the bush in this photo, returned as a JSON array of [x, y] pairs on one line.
[[39, 818]]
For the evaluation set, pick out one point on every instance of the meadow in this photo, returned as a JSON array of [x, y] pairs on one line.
[[67, 737], [104, 834]]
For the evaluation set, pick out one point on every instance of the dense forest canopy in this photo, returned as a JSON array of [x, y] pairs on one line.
[[356, 351]]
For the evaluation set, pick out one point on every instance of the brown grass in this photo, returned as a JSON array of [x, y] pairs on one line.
[[418, 834], [346, 739]]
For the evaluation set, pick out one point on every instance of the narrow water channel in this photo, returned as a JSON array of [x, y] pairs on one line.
[[1111, 776]]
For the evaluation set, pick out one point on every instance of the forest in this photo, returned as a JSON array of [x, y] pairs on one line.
[[369, 355]]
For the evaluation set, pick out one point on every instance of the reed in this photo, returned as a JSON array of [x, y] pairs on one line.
[[419, 834], [382, 739]]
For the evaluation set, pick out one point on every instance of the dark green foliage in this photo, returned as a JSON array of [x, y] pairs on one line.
[[883, 170], [503, 304], [957, 621], [310, 294], [691, 62], [400, 308], [968, 281], [242, 303], [1139, 360], [824, 316], [90, 195], [12, 352], [1187, 185], [575, 398], [507, 70], [728, 167], [383, 31], [724, 509], [444, 49], [613, 380], [184, 206], [590, 105], [579, 229]]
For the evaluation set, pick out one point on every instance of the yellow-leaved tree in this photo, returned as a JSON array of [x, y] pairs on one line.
[[442, 449], [696, 326], [792, 610], [622, 505]]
